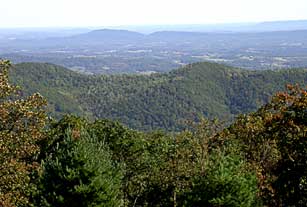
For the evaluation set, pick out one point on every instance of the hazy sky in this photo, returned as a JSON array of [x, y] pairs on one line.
[[59, 13]]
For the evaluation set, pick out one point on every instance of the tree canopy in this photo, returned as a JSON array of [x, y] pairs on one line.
[[258, 160]]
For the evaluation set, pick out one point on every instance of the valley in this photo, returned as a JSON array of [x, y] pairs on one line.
[[109, 51]]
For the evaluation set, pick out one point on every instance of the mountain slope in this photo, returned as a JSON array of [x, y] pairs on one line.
[[160, 101]]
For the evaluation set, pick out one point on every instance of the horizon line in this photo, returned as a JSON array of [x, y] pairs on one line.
[[153, 25]]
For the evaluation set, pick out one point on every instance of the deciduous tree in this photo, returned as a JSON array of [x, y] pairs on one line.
[[21, 128]]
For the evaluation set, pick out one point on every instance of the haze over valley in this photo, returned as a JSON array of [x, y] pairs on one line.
[[268, 45]]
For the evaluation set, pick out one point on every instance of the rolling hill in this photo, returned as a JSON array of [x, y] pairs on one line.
[[158, 101]]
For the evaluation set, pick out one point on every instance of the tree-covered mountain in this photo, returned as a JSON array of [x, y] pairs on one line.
[[157, 101], [259, 160]]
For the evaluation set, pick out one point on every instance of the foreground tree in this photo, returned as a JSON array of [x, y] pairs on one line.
[[274, 141], [227, 182], [21, 128], [210, 170], [80, 172]]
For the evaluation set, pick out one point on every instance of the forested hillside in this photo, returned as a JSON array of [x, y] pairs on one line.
[[158, 101], [257, 161]]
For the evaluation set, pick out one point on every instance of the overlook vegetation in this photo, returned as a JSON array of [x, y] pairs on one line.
[[259, 160], [159, 101]]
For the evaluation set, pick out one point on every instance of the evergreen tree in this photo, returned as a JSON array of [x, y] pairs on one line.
[[226, 182], [80, 172]]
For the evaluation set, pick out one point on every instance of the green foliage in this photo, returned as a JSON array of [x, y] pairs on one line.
[[59, 85], [159, 101], [142, 156], [80, 173], [226, 182], [158, 169], [260, 158]]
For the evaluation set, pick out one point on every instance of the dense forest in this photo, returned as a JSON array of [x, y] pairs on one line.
[[258, 160], [159, 101]]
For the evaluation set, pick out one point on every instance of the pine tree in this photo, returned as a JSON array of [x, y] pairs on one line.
[[80, 172]]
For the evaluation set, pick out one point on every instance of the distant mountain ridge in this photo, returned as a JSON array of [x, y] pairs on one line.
[[118, 37], [112, 51], [280, 25], [110, 34], [267, 26], [160, 101]]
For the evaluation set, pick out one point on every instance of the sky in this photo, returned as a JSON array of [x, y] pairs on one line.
[[93, 13]]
